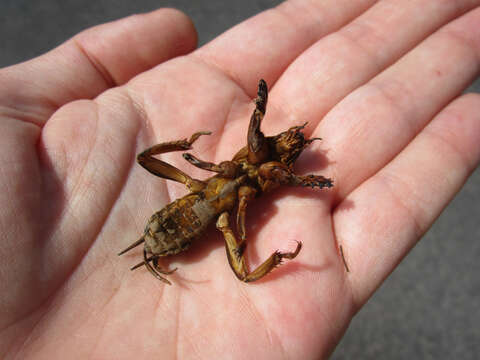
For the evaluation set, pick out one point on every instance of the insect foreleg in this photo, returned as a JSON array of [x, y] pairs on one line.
[[167, 171], [256, 143], [237, 261], [279, 173], [312, 181]]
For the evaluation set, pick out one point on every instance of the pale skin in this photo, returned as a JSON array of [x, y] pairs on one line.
[[378, 82]]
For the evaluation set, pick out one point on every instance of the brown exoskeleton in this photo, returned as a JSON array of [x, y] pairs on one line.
[[261, 166]]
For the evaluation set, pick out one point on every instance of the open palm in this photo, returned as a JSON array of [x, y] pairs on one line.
[[377, 81]]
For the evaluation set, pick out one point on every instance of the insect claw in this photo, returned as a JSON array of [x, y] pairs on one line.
[[160, 270], [149, 267], [171, 271], [197, 135], [156, 274], [309, 141]]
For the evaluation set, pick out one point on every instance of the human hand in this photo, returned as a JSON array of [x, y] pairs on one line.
[[398, 143]]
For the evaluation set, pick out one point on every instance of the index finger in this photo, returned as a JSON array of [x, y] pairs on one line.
[[264, 45]]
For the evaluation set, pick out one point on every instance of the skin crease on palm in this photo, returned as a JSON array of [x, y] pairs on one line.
[[380, 82]]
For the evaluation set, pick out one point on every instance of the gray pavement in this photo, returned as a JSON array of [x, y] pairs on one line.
[[427, 309]]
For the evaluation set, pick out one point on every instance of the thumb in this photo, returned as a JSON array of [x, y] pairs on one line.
[[93, 61]]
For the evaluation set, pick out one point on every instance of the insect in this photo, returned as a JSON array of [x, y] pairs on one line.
[[261, 166]]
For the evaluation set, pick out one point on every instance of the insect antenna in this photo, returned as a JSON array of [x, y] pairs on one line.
[[136, 243]]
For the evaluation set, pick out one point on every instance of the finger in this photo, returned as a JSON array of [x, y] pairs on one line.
[[348, 58], [379, 222], [93, 61], [267, 43], [379, 119]]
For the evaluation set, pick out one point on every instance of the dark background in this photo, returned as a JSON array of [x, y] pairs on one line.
[[427, 309]]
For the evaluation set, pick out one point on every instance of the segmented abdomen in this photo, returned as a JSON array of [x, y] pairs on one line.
[[172, 229]]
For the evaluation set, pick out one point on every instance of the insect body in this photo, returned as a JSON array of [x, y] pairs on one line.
[[261, 166]]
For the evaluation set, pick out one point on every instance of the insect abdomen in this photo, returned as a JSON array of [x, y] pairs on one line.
[[172, 229]]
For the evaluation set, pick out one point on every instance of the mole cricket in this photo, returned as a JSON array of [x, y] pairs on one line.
[[265, 163]]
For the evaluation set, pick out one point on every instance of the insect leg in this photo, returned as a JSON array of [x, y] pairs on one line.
[[312, 181], [237, 262], [245, 195], [225, 168], [256, 144], [281, 174], [152, 270], [167, 171], [159, 269]]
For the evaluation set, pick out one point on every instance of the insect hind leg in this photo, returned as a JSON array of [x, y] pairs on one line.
[[156, 271], [237, 261]]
